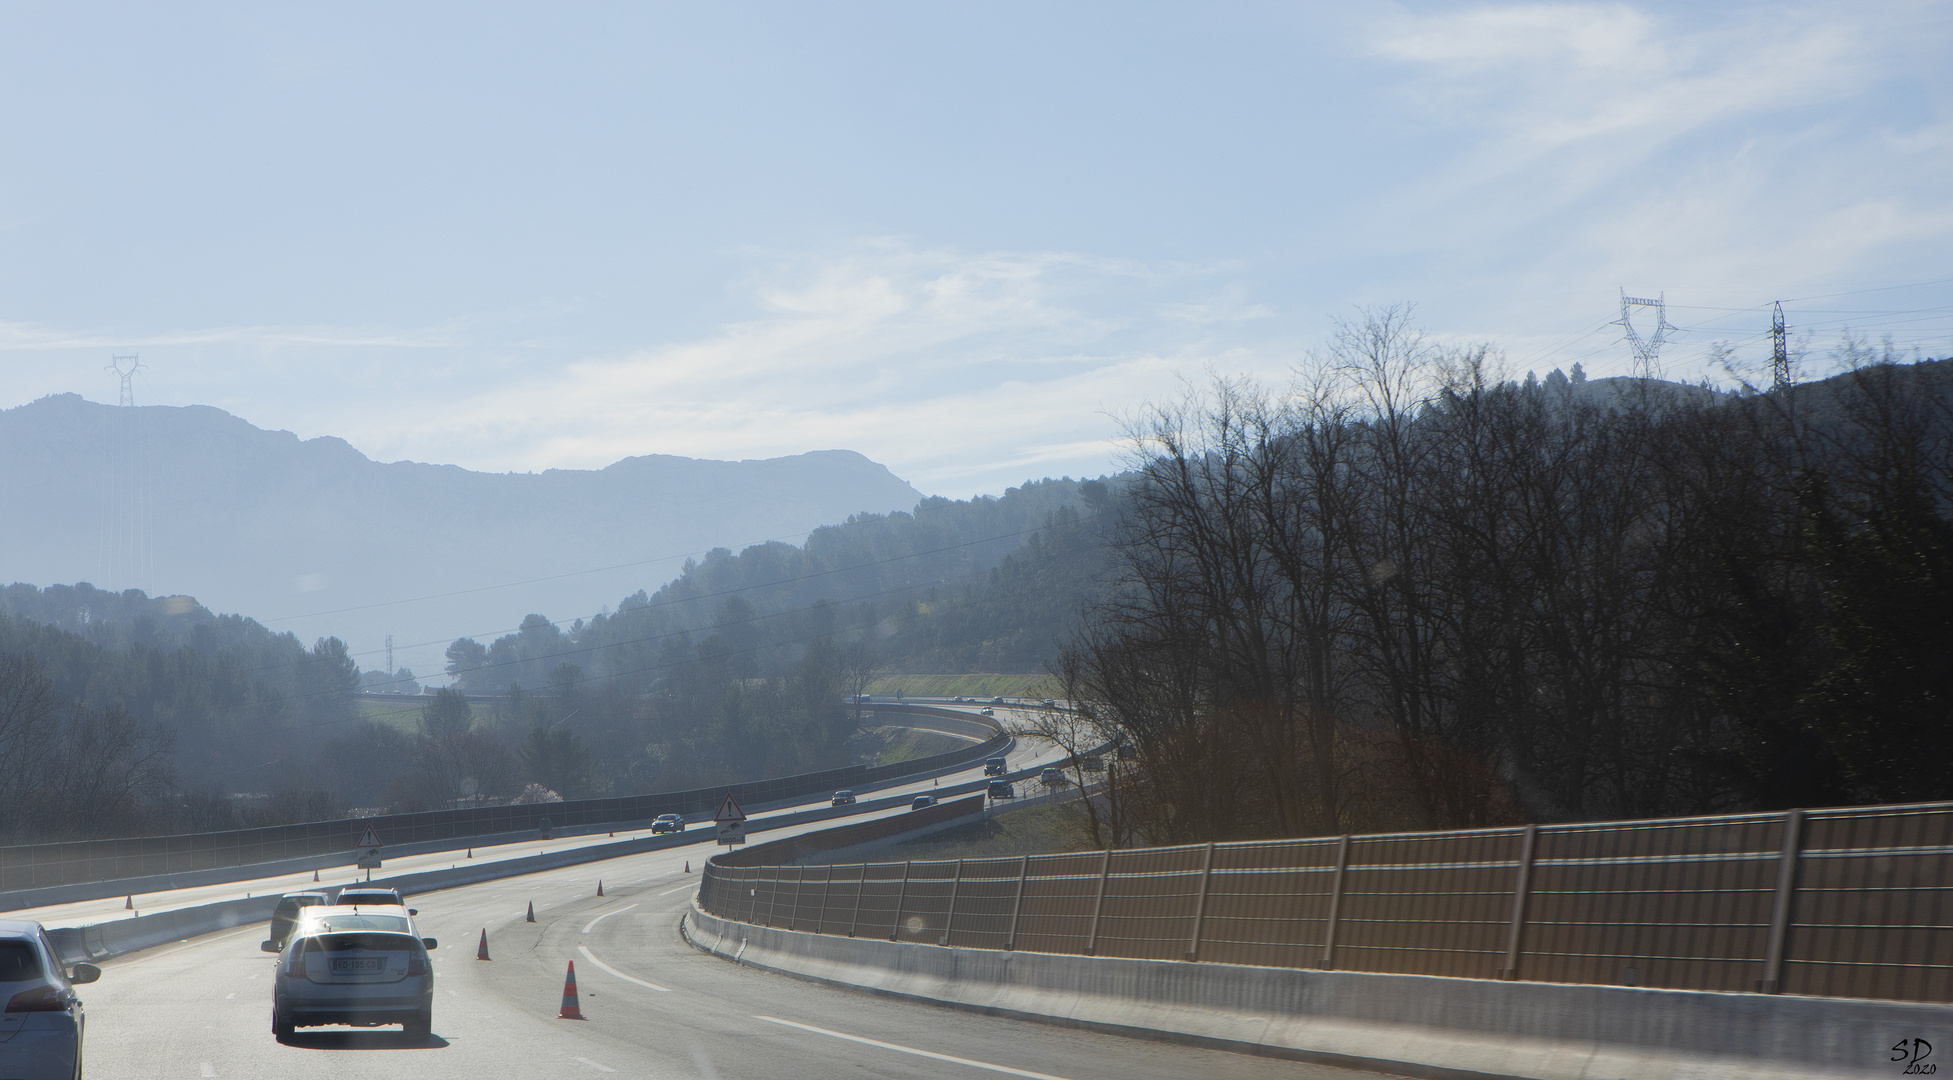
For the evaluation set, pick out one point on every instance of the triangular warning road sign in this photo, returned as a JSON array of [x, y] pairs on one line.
[[369, 838], [729, 811]]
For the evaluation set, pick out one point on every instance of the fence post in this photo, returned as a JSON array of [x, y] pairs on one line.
[[1098, 904], [860, 886], [772, 894], [902, 897], [827, 886], [1017, 904], [1200, 904], [956, 886], [1793, 829], [1335, 905], [1520, 890]]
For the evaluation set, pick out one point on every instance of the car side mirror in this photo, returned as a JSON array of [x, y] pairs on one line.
[[413, 911], [430, 943], [268, 946], [84, 973]]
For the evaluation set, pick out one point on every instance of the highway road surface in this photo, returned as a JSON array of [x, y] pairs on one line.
[[655, 1007]]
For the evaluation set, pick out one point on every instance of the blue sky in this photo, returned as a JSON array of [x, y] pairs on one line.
[[960, 238]]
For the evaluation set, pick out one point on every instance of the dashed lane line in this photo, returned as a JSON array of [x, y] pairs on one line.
[[592, 957], [911, 1050], [681, 888], [594, 1065], [593, 922]]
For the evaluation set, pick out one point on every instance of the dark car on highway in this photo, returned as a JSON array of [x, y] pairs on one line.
[[285, 915], [1002, 789], [922, 802], [667, 823], [844, 798]]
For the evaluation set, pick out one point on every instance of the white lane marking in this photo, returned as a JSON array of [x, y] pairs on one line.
[[592, 957], [230, 995], [668, 892], [605, 915], [911, 1050], [594, 1065]]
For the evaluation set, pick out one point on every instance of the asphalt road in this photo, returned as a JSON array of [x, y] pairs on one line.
[[655, 1007]]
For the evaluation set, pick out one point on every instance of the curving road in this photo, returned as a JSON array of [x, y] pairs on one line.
[[654, 1006]]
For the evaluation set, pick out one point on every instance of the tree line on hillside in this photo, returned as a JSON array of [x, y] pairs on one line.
[[737, 670], [1407, 593]]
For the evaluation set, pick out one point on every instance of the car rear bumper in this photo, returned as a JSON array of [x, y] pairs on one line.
[[370, 1010], [44, 1047]]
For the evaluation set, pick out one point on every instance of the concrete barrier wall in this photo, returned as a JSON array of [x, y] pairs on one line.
[[1411, 1025]]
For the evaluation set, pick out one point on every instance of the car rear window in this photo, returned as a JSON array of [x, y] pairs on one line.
[[20, 961], [334, 923], [333, 943]]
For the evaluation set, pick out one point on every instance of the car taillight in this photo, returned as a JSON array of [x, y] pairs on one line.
[[39, 999], [295, 964], [417, 964]]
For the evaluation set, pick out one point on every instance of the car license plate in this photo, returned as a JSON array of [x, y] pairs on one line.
[[358, 965]]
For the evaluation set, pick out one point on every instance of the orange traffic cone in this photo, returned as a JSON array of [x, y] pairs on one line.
[[613, 834], [570, 1011], [130, 903], [471, 853], [688, 866], [315, 875], [531, 917], [481, 951], [600, 886]]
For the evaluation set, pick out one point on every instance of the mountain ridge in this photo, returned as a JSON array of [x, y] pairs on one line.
[[195, 500]]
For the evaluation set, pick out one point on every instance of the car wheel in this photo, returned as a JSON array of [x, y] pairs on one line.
[[421, 1026], [282, 1024]]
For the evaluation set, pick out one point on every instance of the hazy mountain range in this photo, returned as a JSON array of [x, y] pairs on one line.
[[313, 537]]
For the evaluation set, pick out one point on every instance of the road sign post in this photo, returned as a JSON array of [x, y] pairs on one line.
[[731, 821]]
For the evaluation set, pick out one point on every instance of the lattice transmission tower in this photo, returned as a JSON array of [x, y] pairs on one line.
[[1647, 350], [1779, 351], [125, 531], [128, 377]]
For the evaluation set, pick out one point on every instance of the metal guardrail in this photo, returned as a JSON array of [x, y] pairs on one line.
[[33, 866], [1854, 902]]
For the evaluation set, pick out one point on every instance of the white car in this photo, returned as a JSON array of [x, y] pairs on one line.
[[363, 966], [40, 1032]]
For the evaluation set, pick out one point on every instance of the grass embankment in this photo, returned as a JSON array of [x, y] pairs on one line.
[[973, 685], [907, 744], [393, 714], [1036, 830]]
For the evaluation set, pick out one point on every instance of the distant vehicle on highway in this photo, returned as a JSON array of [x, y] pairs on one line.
[[1053, 775], [923, 802], [372, 896], [285, 915], [1048, 703], [40, 1033], [844, 797], [996, 701], [995, 766], [667, 823], [1002, 789], [1092, 763], [348, 966], [989, 712]]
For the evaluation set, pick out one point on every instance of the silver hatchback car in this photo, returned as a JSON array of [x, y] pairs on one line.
[[40, 1031], [359, 966]]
